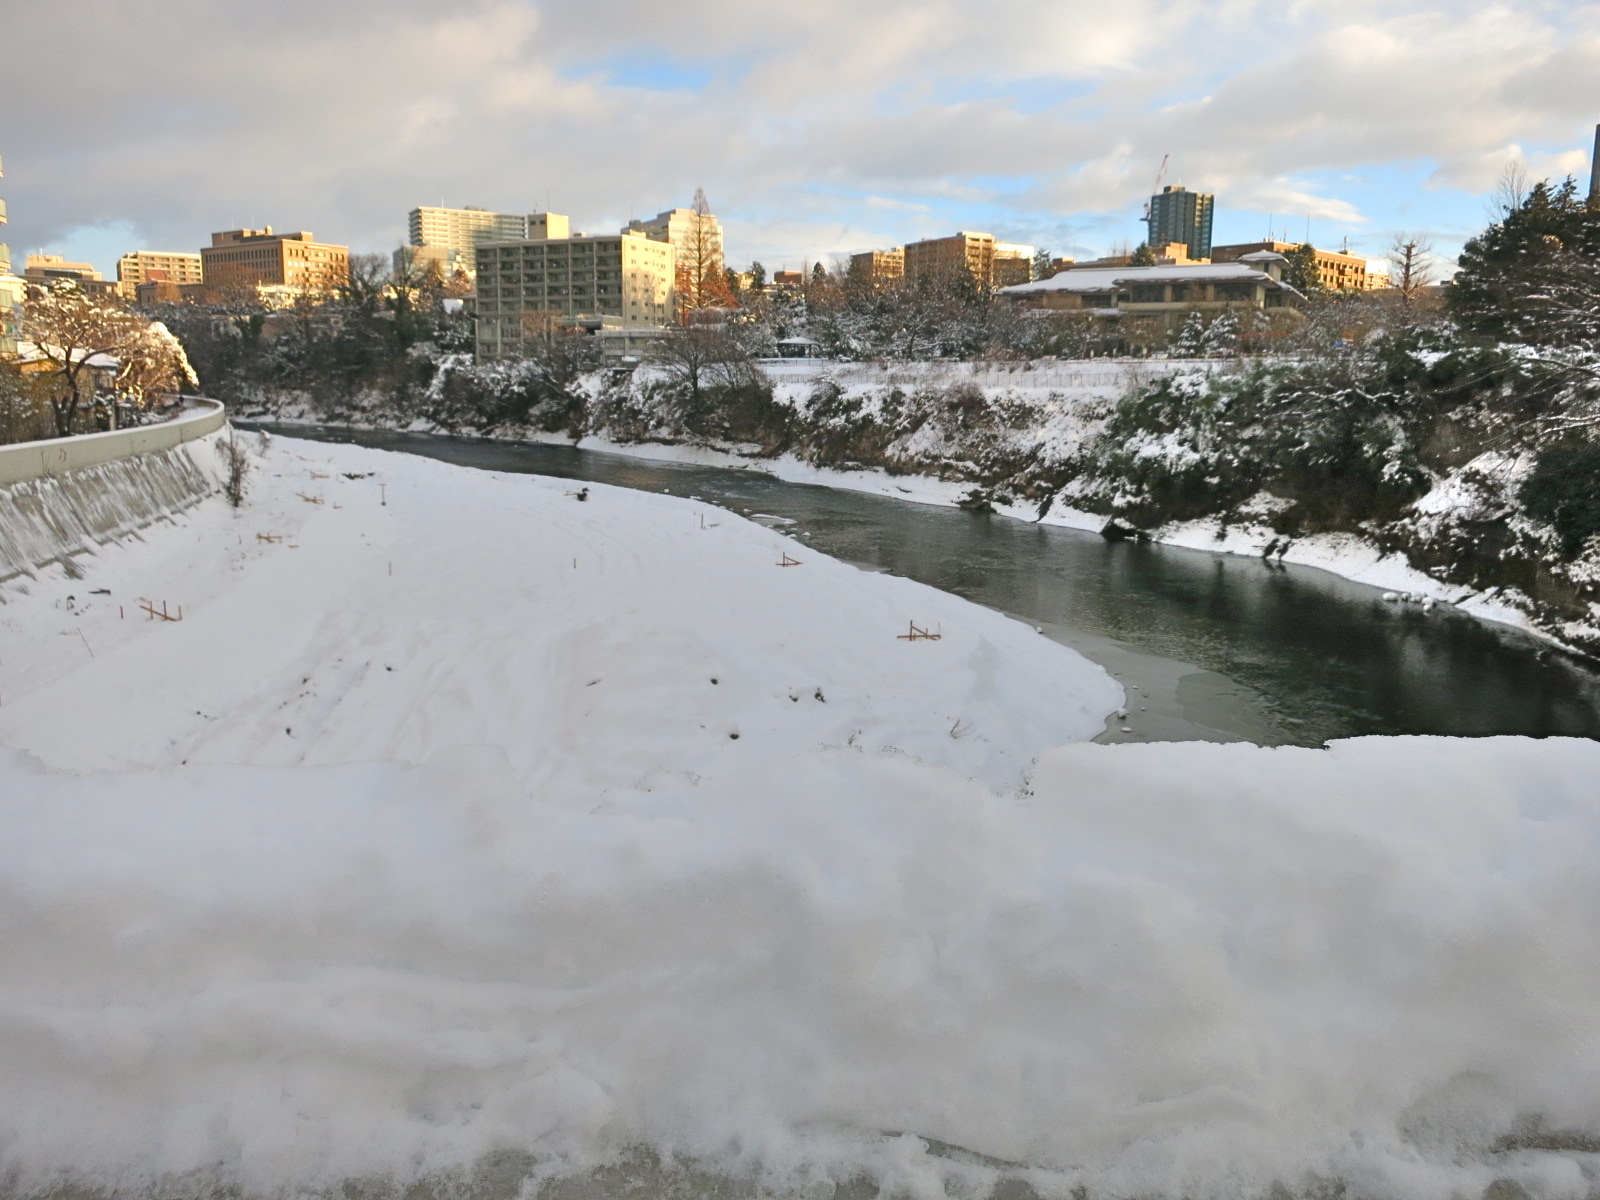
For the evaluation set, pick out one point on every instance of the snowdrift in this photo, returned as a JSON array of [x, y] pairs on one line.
[[360, 876]]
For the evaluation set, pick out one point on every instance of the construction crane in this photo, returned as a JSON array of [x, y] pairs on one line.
[[1160, 175]]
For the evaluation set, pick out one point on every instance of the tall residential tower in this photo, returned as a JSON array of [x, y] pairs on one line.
[[1179, 215], [1594, 170]]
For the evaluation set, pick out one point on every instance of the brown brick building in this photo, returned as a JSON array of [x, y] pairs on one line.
[[250, 257], [1337, 272]]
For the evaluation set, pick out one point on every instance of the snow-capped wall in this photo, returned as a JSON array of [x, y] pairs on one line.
[[55, 456]]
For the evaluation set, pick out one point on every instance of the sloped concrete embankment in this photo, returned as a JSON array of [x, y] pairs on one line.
[[60, 499]]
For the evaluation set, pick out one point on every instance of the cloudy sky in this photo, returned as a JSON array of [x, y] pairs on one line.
[[816, 127]]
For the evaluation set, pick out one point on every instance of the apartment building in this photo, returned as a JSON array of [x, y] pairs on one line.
[[1336, 272], [253, 257], [947, 256], [463, 229], [1179, 215], [879, 264], [989, 262], [155, 266], [626, 281], [1013, 264]]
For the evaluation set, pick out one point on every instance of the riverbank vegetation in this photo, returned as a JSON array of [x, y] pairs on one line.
[[1459, 431]]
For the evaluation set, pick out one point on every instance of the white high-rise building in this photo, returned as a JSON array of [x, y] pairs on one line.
[[12, 291], [464, 228]]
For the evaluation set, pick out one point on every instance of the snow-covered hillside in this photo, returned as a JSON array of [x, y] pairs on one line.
[[465, 817]]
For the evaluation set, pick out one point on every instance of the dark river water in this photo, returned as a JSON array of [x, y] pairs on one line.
[[1207, 645]]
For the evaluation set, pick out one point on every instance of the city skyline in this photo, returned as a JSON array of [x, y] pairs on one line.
[[816, 133]]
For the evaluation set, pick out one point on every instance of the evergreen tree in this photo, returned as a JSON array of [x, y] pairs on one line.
[[1222, 336], [758, 277], [1143, 256], [1300, 272], [1043, 265], [1534, 276], [1191, 339]]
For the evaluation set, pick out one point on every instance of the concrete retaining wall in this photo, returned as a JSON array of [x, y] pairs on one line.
[[60, 499], [38, 460]]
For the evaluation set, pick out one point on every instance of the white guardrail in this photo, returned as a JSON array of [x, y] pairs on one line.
[[36, 460]]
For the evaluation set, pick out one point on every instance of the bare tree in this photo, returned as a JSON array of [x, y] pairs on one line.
[[1511, 188], [564, 351], [700, 357], [1411, 265]]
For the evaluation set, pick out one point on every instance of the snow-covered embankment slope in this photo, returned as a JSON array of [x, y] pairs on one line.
[[351, 874], [598, 643]]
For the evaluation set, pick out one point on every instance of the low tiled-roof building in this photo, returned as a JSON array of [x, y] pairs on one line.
[[1155, 301]]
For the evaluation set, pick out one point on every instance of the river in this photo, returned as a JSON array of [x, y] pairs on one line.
[[1208, 646]]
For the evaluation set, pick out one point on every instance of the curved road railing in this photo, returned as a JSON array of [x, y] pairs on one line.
[[55, 456]]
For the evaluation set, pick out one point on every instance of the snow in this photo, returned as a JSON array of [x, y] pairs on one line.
[[359, 632], [352, 875], [1102, 279]]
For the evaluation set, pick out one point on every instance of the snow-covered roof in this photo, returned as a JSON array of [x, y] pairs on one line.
[[1107, 279], [29, 352], [1262, 256]]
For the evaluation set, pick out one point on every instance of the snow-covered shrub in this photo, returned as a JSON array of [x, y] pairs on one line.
[[1563, 491], [1319, 434]]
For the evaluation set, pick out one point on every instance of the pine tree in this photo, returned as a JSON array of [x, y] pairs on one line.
[[1191, 339], [1532, 276], [1143, 256], [1043, 265], [1222, 336]]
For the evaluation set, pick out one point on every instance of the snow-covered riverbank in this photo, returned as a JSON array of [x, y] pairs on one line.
[[1345, 555], [461, 816]]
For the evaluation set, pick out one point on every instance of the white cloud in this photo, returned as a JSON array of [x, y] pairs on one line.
[[823, 121]]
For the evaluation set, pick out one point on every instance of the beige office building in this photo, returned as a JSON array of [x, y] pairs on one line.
[[1336, 272], [978, 254], [252, 257], [624, 281], [947, 256], [879, 264]]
